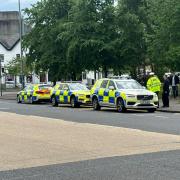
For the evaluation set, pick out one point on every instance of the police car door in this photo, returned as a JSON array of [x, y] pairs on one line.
[[112, 92], [103, 93], [64, 94], [30, 91], [58, 89]]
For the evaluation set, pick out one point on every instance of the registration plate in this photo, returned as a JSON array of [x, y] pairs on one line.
[[145, 102]]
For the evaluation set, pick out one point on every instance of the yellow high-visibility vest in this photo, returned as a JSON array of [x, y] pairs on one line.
[[154, 84]]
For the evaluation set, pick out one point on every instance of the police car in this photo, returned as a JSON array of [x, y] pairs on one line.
[[122, 94], [34, 93], [70, 93]]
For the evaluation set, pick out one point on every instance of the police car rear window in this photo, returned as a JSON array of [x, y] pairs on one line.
[[128, 85], [44, 87], [78, 87]]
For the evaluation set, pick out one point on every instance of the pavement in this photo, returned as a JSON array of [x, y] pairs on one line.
[[174, 106], [41, 142], [8, 95], [30, 141]]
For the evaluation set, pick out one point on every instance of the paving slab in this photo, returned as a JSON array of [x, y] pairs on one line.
[[173, 108]]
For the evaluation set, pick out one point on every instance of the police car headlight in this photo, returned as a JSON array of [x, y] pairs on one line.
[[155, 96], [130, 96]]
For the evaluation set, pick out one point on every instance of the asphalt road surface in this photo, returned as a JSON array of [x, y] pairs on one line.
[[153, 122], [163, 165]]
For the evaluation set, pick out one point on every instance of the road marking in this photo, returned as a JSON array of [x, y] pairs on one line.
[[139, 115], [4, 108], [164, 117]]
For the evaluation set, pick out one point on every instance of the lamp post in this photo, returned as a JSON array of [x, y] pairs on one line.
[[20, 38], [1, 59]]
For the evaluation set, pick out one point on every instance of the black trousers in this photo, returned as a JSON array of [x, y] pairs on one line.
[[175, 91], [165, 99]]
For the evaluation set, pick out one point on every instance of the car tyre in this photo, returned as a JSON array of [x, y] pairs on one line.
[[96, 105], [19, 100], [54, 101], [120, 106], [74, 103], [31, 100], [151, 110]]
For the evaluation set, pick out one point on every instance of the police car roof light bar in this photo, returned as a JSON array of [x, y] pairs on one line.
[[72, 82]]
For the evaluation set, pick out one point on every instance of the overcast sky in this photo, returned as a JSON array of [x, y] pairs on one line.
[[12, 5]]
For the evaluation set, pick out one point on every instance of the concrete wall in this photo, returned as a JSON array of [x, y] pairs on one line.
[[9, 23]]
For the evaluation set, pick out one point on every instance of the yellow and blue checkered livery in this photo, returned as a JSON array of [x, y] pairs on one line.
[[70, 93], [122, 94]]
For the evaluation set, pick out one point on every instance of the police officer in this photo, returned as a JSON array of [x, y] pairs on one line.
[[154, 84], [165, 94]]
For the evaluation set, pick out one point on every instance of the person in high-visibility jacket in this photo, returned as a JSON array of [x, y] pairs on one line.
[[153, 83]]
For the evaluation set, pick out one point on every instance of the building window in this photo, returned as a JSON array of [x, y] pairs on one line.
[[2, 57]]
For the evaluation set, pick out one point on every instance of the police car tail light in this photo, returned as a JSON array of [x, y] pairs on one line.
[[43, 92], [39, 92]]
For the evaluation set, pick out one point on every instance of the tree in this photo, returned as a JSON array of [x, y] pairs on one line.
[[45, 51], [14, 67], [164, 46], [132, 28], [92, 32]]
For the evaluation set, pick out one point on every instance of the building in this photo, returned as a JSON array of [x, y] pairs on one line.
[[9, 39], [10, 46]]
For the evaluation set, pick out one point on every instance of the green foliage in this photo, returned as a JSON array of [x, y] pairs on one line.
[[70, 36], [164, 40], [14, 67]]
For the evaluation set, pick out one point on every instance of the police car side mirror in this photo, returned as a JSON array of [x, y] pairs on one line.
[[111, 88]]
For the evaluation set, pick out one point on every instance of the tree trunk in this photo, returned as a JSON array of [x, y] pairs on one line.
[[15, 82], [73, 76], [54, 82], [105, 72], [95, 75]]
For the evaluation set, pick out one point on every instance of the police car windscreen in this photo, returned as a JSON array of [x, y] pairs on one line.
[[128, 85], [44, 87], [78, 86]]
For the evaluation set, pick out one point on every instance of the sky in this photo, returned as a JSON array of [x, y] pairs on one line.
[[12, 5]]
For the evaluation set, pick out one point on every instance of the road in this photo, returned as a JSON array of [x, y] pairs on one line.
[[151, 144]]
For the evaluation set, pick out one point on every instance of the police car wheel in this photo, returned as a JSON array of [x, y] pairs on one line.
[[54, 102], [96, 105], [18, 99], [31, 100], [73, 102], [151, 110], [120, 106]]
